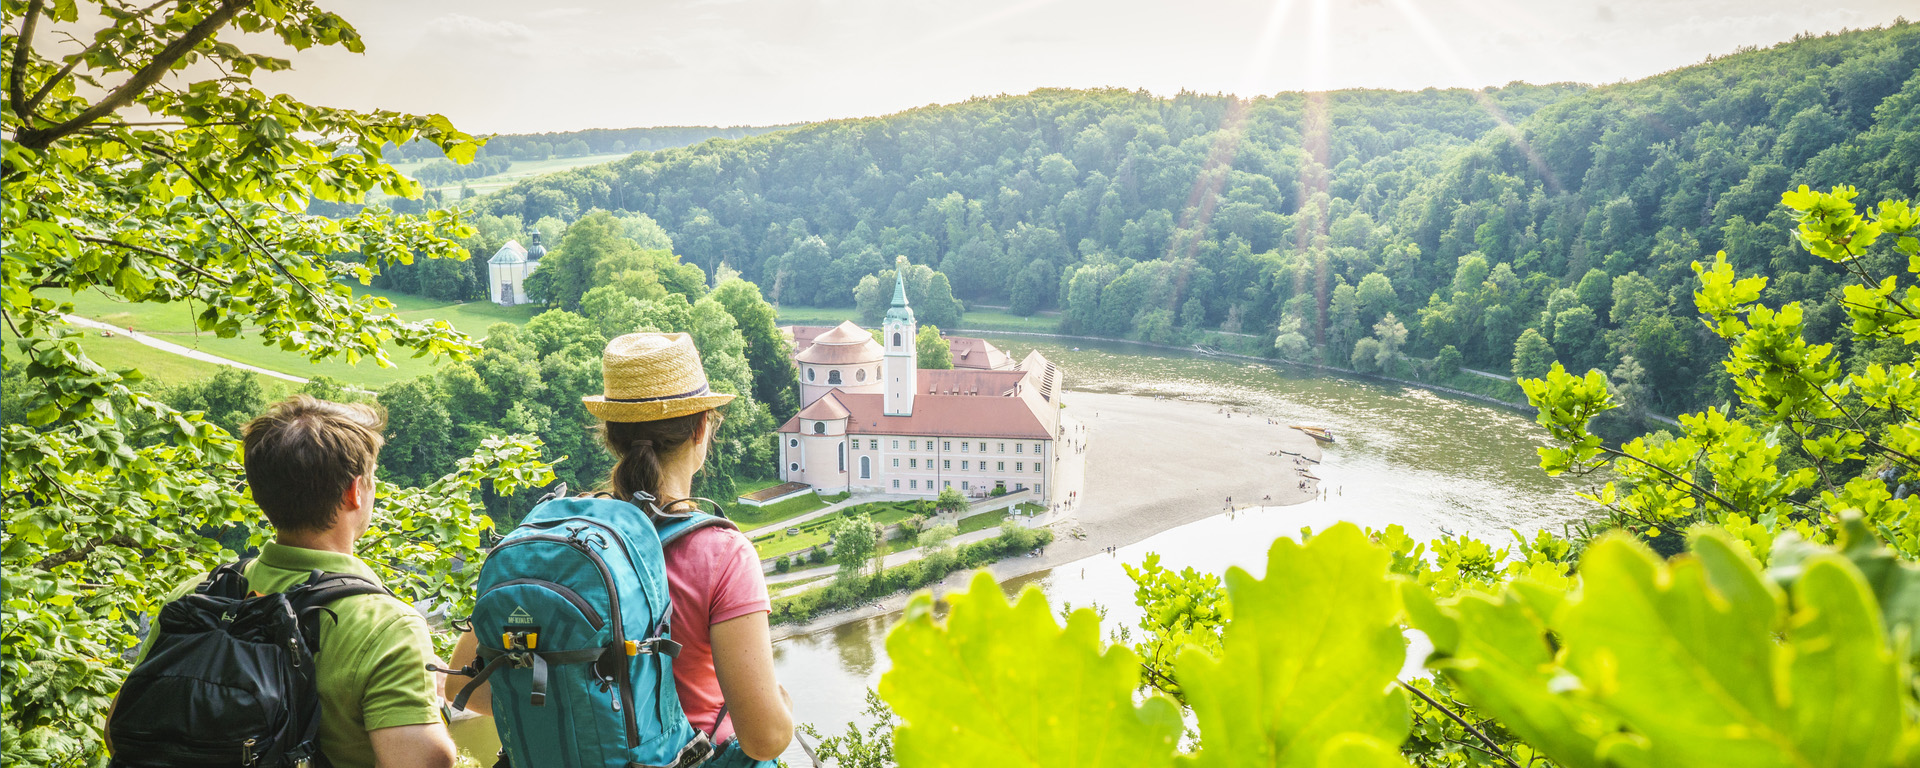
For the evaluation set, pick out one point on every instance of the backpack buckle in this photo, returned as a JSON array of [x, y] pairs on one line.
[[520, 646]]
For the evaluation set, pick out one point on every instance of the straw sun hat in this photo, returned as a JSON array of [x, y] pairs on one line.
[[652, 376]]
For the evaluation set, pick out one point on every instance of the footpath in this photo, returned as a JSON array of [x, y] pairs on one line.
[[172, 348], [1008, 502]]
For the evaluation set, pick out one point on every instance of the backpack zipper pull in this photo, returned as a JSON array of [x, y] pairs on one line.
[[246, 752]]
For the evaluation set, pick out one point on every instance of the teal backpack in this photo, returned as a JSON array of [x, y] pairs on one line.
[[574, 623]]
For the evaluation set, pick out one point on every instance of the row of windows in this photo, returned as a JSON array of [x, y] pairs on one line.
[[821, 428], [998, 466], [833, 377], [914, 485], [947, 445]]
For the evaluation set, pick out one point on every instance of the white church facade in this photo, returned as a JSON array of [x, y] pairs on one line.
[[507, 271], [871, 421]]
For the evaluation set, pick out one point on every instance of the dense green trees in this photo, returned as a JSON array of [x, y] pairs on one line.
[[932, 350], [130, 174], [1092, 202]]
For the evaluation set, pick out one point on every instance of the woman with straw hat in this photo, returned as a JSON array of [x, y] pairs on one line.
[[659, 418]]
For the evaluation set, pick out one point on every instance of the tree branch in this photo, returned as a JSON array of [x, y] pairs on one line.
[[257, 245], [1695, 487], [144, 78], [1491, 746], [80, 553], [16, 83], [156, 254]]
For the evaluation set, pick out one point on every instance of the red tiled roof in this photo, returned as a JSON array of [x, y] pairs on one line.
[[969, 382], [939, 416], [969, 352], [803, 335], [824, 409]]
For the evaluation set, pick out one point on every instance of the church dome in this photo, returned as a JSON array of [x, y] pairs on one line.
[[511, 253], [846, 344]]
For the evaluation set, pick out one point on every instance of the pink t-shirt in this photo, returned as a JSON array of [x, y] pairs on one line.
[[714, 575]]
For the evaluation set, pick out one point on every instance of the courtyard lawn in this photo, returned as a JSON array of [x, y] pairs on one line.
[[815, 532], [751, 518], [983, 521]]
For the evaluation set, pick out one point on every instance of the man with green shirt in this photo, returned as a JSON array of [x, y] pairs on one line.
[[310, 467]]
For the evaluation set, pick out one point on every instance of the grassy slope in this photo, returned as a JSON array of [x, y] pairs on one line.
[[983, 319], [174, 323], [521, 169]]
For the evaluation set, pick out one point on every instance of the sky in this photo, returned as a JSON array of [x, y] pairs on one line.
[[512, 66]]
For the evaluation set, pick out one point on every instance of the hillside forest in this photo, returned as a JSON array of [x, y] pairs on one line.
[[1518, 226], [1734, 243]]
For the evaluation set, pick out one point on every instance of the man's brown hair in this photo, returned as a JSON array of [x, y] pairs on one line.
[[303, 453]]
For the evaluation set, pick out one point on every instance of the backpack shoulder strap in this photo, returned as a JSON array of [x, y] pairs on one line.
[[324, 587], [227, 581], [310, 599], [676, 526]]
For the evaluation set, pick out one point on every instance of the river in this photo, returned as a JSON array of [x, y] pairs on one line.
[[1404, 455]]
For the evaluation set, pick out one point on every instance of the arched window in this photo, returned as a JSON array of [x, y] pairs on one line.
[[833, 377], [819, 427], [843, 457], [866, 467], [860, 375], [809, 374], [896, 338]]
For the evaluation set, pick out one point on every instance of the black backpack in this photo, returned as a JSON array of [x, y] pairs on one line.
[[230, 681]]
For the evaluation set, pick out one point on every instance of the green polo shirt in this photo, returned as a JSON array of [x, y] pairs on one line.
[[373, 659]]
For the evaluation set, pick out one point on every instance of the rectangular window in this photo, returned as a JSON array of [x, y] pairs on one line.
[[896, 445], [913, 463], [999, 466], [873, 445], [1019, 466], [1036, 466], [963, 446], [929, 445], [963, 485], [946, 483], [1018, 447], [896, 483], [999, 447], [913, 484], [896, 462], [946, 464], [946, 445], [983, 447], [1036, 447], [913, 445], [964, 465]]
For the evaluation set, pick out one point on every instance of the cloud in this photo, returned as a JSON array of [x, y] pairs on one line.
[[463, 28], [1604, 14]]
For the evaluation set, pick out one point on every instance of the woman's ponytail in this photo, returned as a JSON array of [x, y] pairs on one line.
[[637, 448]]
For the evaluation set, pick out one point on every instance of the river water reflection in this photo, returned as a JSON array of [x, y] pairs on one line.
[[1406, 456]]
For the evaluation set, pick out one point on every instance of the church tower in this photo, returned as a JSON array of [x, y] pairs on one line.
[[901, 361]]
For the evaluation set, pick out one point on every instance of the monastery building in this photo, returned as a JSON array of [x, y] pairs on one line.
[[870, 420]]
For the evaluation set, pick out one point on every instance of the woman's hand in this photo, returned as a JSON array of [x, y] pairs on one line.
[[466, 652], [762, 711]]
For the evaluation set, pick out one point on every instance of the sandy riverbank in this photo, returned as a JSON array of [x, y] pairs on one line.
[[1151, 465]]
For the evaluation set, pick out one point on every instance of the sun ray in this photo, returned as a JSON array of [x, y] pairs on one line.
[[1445, 53]]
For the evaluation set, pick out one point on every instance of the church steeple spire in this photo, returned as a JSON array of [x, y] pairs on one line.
[[901, 357]]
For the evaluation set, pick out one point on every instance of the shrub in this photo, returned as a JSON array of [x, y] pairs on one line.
[[783, 565]]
